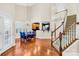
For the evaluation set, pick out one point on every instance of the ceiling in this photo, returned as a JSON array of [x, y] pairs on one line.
[[25, 4]]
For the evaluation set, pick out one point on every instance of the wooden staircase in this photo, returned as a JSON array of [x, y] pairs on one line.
[[66, 37], [69, 45]]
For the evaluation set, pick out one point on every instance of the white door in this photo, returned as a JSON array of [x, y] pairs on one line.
[[1, 34], [7, 32]]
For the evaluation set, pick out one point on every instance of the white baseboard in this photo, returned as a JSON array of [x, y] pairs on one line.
[[6, 48]]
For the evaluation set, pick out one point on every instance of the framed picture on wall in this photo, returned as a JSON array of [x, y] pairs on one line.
[[45, 26], [35, 26]]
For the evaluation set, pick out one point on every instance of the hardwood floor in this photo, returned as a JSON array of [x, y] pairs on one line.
[[38, 47]]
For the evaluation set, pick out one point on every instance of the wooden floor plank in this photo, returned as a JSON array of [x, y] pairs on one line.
[[37, 47]]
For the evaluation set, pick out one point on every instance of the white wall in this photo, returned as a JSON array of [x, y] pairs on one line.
[[57, 17], [72, 8], [20, 13], [7, 9], [40, 13], [29, 16], [77, 26], [23, 14]]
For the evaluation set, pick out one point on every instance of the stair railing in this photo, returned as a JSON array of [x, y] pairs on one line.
[[64, 39], [55, 33], [56, 39], [69, 36]]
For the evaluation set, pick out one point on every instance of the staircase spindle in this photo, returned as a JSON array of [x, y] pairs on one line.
[[51, 39], [70, 34], [73, 32], [60, 44], [55, 31], [67, 39]]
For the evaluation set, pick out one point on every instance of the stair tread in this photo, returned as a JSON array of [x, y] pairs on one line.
[[69, 44]]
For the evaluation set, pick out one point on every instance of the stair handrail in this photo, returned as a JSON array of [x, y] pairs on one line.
[[62, 11], [60, 24], [63, 20], [58, 27]]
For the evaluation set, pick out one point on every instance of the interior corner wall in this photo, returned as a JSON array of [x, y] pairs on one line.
[[72, 8], [77, 25], [40, 12], [21, 13], [29, 15]]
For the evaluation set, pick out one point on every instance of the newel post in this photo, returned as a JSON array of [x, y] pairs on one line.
[[60, 43], [51, 39]]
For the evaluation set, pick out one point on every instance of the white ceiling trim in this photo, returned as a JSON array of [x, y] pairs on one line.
[[25, 4]]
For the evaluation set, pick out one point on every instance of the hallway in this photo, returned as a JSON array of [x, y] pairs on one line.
[[38, 47], [43, 21]]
